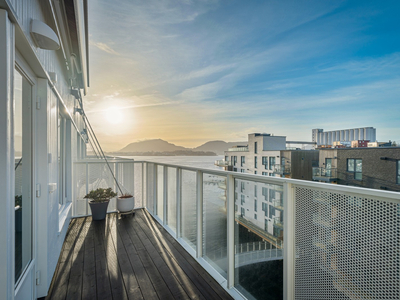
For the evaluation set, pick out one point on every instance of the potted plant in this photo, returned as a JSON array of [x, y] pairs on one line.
[[99, 200], [125, 203]]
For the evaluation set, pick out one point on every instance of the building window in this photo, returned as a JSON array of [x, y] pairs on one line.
[[255, 205], [241, 170], [236, 196], [271, 211], [241, 199], [355, 166], [236, 207], [234, 160], [266, 225], [398, 172], [242, 186], [255, 147], [255, 190], [255, 172], [255, 216], [271, 162], [265, 162], [255, 161], [242, 161], [242, 212], [265, 173]]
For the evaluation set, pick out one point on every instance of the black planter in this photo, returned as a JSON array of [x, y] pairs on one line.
[[99, 210]]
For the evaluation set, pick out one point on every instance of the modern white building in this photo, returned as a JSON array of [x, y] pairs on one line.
[[43, 74], [345, 135]]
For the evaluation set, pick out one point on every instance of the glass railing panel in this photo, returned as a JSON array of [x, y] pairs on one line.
[[171, 198], [214, 222], [81, 206], [160, 192], [150, 187], [138, 185], [259, 229], [189, 220]]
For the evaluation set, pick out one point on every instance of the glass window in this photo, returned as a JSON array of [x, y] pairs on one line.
[[355, 165], [255, 205], [350, 165], [255, 190], [241, 199], [241, 170], [242, 186], [398, 172], [265, 161], [255, 172], [255, 147], [255, 161], [234, 160], [271, 162], [255, 216], [242, 161]]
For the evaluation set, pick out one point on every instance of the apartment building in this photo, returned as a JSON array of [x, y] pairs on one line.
[[377, 168]]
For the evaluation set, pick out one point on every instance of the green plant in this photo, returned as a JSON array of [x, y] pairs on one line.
[[101, 195]]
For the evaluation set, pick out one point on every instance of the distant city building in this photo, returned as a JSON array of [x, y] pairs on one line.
[[359, 144], [380, 144], [346, 135]]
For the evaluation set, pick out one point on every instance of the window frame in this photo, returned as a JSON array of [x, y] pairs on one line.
[[357, 174]]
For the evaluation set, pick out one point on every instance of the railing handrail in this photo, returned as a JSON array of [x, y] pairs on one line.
[[274, 180]]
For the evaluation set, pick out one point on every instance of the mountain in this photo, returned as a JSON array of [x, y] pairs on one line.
[[157, 145], [218, 146]]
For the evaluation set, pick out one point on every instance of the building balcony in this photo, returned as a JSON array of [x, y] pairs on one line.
[[239, 149], [182, 231], [282, 169], [324, 174], [222, 163]]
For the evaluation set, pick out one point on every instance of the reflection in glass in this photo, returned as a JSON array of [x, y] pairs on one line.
[[171, 199], [214, 222], [160, 192], [22, 153], [189, 220], [259, 239]]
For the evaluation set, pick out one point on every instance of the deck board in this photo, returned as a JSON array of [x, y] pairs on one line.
[[128, 258]]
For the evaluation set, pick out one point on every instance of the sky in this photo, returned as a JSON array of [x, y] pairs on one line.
[[191, 71]]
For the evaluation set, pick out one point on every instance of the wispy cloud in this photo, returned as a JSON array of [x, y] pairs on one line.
[[104, 47]]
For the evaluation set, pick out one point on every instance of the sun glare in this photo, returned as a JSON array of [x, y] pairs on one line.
[[114, 115]]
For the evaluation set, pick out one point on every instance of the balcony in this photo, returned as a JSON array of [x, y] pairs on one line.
[[324, 174], [239, 149], [183, 227], [282, 169], [222, 163]]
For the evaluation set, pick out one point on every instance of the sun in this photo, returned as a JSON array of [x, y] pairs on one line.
[[114, 115]]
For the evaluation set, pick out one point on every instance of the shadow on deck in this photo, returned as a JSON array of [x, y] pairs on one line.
[[128, 258]]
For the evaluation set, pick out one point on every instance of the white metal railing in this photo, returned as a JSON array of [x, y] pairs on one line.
[[239, 149], [364, 223]]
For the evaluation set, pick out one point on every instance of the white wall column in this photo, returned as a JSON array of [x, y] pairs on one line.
[[7, 213]]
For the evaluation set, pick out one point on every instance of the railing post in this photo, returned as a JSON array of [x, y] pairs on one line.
[[230, 219], [199, 213], [154, 187], [143, 180], [289, 250], [178, 203], [165, 195]]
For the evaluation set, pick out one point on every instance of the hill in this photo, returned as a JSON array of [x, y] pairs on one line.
[[156, 145], [218, 146]]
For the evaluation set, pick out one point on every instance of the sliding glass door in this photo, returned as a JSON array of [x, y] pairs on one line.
[[23, 172]]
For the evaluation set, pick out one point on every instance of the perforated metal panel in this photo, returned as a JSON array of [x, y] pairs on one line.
[[347, 247]]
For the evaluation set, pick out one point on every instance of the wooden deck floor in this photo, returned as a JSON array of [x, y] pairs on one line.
[[128, 258]]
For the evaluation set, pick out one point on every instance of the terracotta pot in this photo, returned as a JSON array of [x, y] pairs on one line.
[[125, 204], [99, 209]]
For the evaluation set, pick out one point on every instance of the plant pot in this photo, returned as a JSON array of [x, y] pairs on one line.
[[99, 209], [125, 204]]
